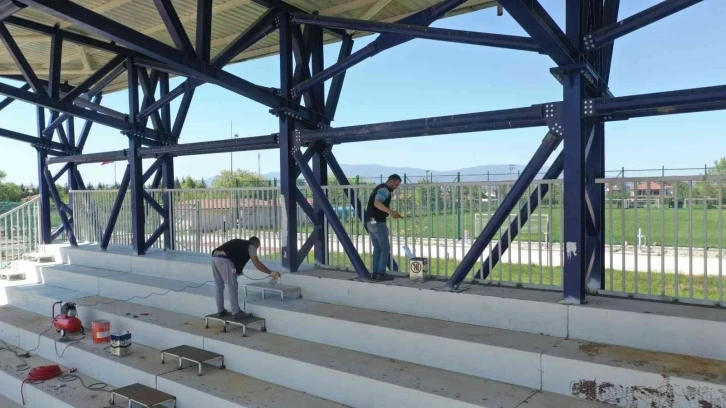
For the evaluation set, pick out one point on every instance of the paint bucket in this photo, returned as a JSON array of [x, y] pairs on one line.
[[101, 331]]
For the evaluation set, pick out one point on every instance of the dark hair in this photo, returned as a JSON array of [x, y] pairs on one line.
[[394, 177], [254, 241]]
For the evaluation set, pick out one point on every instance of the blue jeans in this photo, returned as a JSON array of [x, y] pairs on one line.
[[381, 247]]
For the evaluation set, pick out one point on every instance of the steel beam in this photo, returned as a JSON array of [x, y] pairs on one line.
[[501, 214], [263, 26], [383, 42], [9, 7], [39, 99], [499, 119], [657, 103], [7, 101], [335, 224], [181, 115], [21, 137], [156, 235], [525, 210], [54, 75], [174, 26], [610, 33], [94, 78], [23, 65], [428, 33], [60, 208], [197, 68], [87, 126], [204, 30], [355, 202], [149, 87], [336, 85], [287, 147], [289, 8], [535, 20], [116, 209]]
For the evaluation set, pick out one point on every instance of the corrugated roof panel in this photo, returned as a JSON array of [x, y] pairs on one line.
[[231, 17]]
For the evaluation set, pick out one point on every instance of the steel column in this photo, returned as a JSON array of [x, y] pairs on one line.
[[577, 132], [44, 205], [136, 178], [320, 164], [287, 146]]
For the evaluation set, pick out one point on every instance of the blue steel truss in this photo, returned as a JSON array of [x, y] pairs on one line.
[[582, 54]]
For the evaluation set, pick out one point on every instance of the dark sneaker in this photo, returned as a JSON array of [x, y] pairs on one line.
[[374, 276], [242, 315], [384, 277], [222, 313]]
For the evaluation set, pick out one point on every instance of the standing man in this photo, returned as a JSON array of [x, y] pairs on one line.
[[376, 213], [228, 262]]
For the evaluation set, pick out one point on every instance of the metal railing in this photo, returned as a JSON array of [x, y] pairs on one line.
[[664, 235], [19, 233]]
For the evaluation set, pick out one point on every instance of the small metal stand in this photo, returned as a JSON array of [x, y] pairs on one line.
[[229, 319], [263, 288], [193, 355], [142, 395]]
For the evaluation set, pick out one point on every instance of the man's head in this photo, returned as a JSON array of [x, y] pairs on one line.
[[394, 180], [255, 241]]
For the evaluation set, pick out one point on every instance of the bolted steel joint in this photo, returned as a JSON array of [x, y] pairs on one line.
[[588, 107]]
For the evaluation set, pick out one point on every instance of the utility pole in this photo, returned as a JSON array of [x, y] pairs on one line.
[[259, 161]]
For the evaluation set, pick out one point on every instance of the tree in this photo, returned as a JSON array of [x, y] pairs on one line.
[[189, 182], [9, 191], [239, 178]]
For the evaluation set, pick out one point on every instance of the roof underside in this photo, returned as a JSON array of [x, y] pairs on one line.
[[230, 18]]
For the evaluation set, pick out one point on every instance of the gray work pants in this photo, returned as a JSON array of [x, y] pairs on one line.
[[225, 274]]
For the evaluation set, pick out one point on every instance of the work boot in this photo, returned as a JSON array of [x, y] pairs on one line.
[[223, 313], [242, 315]]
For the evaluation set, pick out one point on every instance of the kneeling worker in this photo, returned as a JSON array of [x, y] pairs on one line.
[[228, 263]]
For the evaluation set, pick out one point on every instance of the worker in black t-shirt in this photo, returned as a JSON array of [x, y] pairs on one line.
[[228, 263]]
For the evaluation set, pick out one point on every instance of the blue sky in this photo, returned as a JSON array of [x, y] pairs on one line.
[[425, 78]]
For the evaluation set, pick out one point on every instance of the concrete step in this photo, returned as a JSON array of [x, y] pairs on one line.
[[216, 388], [6, 402], [45, 394], [563, 366], [346, 376], [604, 320]]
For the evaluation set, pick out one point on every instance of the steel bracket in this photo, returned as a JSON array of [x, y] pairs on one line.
[[595, 83], [552, 113]]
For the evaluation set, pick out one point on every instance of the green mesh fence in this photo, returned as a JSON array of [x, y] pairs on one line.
[[6, 206]]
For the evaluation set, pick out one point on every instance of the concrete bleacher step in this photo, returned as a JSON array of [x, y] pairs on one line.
[[568, 367], [346, 376], [48, 393], [603, 320], [216, 388]]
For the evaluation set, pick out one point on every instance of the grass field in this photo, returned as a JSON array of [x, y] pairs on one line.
[[617, 281], [665, 226]]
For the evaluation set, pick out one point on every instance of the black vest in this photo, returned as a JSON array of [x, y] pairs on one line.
[[238, 251], [374, 213]]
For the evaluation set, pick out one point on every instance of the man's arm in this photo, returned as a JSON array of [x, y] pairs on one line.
[[378, 203], [262, 268]]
